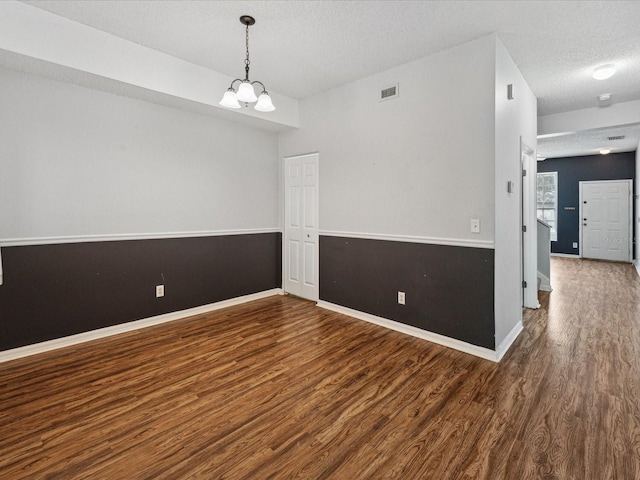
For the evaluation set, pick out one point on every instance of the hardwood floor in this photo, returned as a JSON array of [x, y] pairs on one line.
[[279, 389]]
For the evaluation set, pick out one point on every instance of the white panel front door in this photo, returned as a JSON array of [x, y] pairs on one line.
[[301, 226], [605, 220]]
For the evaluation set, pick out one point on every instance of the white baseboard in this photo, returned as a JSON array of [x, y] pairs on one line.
[[508, 341], [637, 263], [545, 283], [57, 343], [565, 255], [449, 342]]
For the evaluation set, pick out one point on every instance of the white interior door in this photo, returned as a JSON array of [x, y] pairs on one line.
[[301, 226], [605, 216]]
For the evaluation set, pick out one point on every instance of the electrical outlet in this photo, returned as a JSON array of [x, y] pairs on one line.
[[159, 291], [575, 244], [401, 298], [475, 225]]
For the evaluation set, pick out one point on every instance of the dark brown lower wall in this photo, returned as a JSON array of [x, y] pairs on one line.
[[449, 290], [52, 291]]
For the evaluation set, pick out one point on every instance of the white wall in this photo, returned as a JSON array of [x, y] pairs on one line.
[[426, 163], [419, 165], [514, 119], [77, 162]]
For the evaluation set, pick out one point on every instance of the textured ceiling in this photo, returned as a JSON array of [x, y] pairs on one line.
[[300, 48], [589, 142]]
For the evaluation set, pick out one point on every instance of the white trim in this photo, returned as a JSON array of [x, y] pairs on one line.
[[457, 242], [49, 345], [503, 348], [528, 216], [449, 342], [565, 255], [18, 242], [545, 283], [637, 265]]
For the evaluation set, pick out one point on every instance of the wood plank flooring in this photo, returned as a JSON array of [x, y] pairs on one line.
[[280, 389]]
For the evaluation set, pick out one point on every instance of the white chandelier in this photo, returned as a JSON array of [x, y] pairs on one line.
[[245, 91]]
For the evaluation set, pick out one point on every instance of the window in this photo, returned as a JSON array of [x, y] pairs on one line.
[[548, 201]]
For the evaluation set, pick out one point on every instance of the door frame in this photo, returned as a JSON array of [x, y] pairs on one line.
[[630, 219], [284, 219], [528, 219]]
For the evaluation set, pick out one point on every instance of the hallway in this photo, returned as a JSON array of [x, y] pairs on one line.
[[582, 348]]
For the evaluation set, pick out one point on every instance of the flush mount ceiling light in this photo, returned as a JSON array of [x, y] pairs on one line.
[[245, 91], [604, 151], [603, 72]]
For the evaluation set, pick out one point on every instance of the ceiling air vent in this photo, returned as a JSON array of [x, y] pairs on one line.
[[388, 93], [619, 137]]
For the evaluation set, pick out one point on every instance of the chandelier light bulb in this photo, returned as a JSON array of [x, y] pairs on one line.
[[230, 99], [246, 93], [264, 103]]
